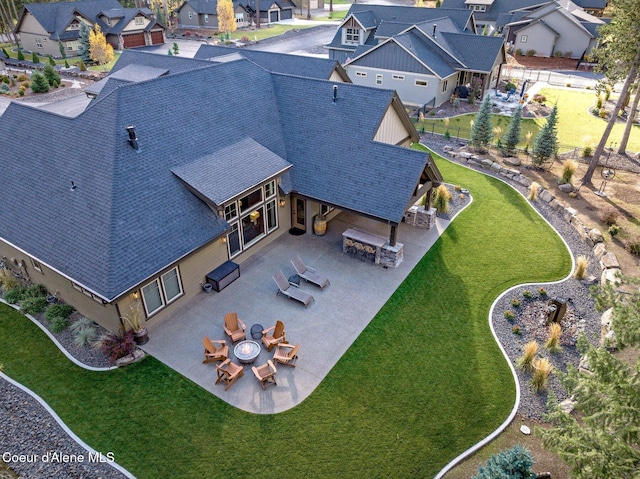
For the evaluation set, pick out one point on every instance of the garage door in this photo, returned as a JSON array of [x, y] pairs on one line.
[[133, 40], [287, 14], [273, 16], [157, 38]]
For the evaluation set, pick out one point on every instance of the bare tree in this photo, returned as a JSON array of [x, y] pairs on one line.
[[627, 128]]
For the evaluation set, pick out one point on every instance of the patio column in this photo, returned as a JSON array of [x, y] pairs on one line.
[[393, 236]]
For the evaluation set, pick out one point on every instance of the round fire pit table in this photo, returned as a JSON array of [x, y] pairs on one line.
[[247, 351]]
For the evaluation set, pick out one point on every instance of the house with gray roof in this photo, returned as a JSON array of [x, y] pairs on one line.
[[175, 171], [42, 25], [423, 61], [204, 14]]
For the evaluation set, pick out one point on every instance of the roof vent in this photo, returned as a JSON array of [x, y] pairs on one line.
[[133, 139], [434, 30], [335, 93], [73, 186]]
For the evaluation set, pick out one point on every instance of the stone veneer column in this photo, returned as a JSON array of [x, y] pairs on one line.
[[391, 256]]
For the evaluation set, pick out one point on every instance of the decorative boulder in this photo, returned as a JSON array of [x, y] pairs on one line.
[[607, 335], [596, 235], [566, 187], [512, 161], [599, 250]]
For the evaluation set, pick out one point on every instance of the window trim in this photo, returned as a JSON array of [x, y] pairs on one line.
[[159, 281], [379, 79], [361, 74], [396, 76], [422, 83], [138, 20], [352, 36], [206, 18], [524, 38], [36, 264]]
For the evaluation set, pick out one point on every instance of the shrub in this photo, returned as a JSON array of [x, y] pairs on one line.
[[614, 230], [15, 295], [557, 54], [8, 280], [447, 135], [514, 463], [509, 315], [36, 291], [568, 54], [538, 98], [609, 217], [582, 263], [39, 83], [441, 199], [4, 89], [602, 113], [35, 58], [57, 325], [541, 370], [568, 85], [84, 331], [116, 345], [21, 92], [531, 52], [516, 330], [519, 52], [82, 66], [509, 86], [599, 101], [515, 302], [542, 292], [457, 188], [52, 76], [553, 342], [587, 152], [22, 77], [33, 305], [52, 61], [20, 56], [58, 311], [526, 360], [66, 63], [6, 54], [527, 294], [569, 167], [633, 246]]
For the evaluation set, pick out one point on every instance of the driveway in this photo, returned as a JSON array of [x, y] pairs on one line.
[[324, 330]]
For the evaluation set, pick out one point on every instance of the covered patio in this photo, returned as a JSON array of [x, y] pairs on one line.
[[324, 330]]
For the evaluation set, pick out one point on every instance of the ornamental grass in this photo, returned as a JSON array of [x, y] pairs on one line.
[[541, 370], [525, 361], [582, 264], [553, 342]]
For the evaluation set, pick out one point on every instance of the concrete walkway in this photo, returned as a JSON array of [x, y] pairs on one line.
[[324, 330]]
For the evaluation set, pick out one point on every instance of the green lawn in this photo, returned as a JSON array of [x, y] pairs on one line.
[[265, 32], [574, 121], [423, 382]]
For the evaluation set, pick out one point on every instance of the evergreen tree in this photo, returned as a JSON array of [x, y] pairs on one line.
[[514, 463], [169, 52], [66, 63], [52, 61], [39, 83], [35, 58], [20, 55], [176, 48], [546, 143], [604, 443], [482, 130], [63, 52], [512, 136], [84, 49], [82, 66], [5, 53], [52, 76]]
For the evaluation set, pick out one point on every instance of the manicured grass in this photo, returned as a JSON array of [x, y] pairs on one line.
[[423, 382], [266, 32], [574, 121], [335, 15], [100, 68]]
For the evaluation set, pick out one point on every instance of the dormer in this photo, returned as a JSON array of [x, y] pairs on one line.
[[353, 32], [478, 5]]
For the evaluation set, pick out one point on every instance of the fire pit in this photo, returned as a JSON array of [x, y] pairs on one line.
[[247, 351]]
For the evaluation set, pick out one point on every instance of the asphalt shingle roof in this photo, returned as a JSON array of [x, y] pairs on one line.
[[245, 164], [129, 216]]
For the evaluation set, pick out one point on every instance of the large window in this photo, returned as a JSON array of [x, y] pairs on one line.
[[352, 35], [161, 291], [251, 217], [139, 20]]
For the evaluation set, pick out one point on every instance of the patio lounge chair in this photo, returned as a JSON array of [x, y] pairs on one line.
[[265, 374], [291, 290], [308, 274], [228, 372], [286, 354], [234, 327], [277, 335], [213, 353]]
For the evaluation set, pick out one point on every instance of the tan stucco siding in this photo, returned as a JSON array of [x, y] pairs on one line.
[[132, 26], [103, 314], [391, 130], [30, 44]]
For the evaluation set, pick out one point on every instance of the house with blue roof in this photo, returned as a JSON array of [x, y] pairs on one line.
[[423, 56], [42, 25], [204, 14], [177, 168]]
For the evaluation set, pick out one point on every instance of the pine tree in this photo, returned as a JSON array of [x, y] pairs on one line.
[[604, 443], [512, 136], [63, 52], [101, 51], [52, 76], [482, 130], [52, 61], [546, 143], [20, 55], [39, 83], [514, 463], [176, 48], [169, 52], [84, 49], [35, 58]]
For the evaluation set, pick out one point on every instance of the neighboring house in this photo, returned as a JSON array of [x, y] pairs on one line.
[[592, 7], [42, 25], [313, 67], [203, 13], [179, 165], [423, 62], [560, 28]]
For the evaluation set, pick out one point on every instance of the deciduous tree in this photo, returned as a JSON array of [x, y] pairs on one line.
[[226, 16], [101, 51]]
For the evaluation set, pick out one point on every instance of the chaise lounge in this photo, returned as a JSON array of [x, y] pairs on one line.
[[309, 274], [290, 290]]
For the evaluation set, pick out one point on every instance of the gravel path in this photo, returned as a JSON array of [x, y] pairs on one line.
[[530, 316], [27, 428]]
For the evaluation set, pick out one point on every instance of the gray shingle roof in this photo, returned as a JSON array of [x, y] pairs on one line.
[[130, 216], [477, 52], [130, 73], [276, 62], [244, 164], [498, 7]]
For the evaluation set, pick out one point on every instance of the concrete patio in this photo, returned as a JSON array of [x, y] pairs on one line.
[[324, 330]]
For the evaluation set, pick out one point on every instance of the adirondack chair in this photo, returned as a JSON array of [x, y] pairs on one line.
[[273, 335], [266, 374], [286, 354], [213, 352], [234, 327], [228, 372]]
